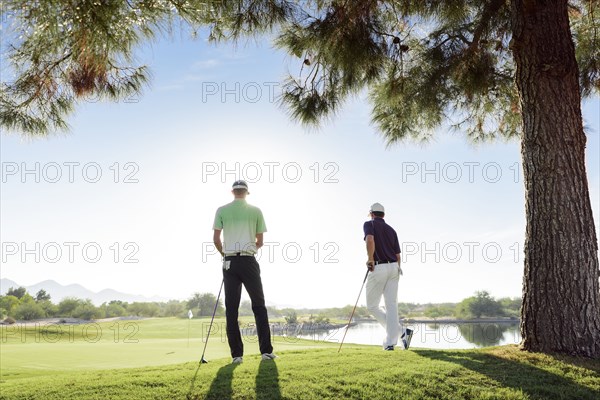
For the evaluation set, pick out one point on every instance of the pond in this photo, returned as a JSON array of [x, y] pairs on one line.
[[428, 335]]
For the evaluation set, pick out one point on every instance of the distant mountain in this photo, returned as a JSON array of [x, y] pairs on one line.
[[58, 292], [6, 284]]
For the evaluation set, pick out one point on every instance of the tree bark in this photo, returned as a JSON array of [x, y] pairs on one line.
[[561, 290]]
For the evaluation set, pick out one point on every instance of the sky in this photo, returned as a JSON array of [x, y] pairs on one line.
[[126, 199]]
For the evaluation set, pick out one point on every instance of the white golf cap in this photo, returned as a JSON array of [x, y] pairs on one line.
[[240, 185], [377, 207]]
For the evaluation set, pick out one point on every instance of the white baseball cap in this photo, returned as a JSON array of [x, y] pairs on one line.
[[240, 185], [377, 207]]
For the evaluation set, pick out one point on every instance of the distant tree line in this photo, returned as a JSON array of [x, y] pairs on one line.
[[17, 304], [482, 304]]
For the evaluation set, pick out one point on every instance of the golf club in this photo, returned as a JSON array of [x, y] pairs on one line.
[[202, 360], [354, 309]]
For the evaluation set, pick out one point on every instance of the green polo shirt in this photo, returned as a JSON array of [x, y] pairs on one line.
[[240, 222]]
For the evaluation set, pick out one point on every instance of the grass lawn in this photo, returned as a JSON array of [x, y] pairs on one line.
[[51, 349], [161, 366]]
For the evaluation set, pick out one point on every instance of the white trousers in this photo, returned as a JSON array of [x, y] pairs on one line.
[[383, 281]]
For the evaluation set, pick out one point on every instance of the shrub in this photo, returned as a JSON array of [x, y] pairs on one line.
[[292, 318], [67, 306], [86, 310], [28, 311]]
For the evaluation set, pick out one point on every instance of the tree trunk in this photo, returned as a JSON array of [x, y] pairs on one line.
[[561, 294]]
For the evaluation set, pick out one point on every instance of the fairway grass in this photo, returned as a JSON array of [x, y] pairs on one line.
[[355, 373], [161, 366], [48, 349]]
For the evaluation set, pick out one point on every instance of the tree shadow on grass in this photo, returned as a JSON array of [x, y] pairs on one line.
[[267, 381], [536, 382]]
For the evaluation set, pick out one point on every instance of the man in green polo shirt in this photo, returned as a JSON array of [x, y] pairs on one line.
[[243, 226]]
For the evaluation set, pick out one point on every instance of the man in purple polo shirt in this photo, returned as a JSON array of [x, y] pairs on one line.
[[383, 251]]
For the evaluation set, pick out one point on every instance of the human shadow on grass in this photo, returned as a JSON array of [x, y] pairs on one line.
[[534, 381], [221, 386], [267, 381]]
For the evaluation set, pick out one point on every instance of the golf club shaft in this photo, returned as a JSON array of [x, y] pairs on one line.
[[354, 309], [211, 320]]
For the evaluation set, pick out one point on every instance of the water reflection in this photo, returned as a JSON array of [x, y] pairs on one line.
[[434, 336], [484, 335], [478, 334]]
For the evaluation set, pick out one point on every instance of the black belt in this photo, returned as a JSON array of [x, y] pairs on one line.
[[384, 262], [229, 257]]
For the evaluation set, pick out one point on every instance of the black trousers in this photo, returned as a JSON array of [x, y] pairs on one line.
[[245, 270]]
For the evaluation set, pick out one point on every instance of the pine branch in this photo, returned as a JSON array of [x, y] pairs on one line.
[[490, 9]]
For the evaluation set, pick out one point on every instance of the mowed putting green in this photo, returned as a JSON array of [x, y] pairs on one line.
[[48, 349]]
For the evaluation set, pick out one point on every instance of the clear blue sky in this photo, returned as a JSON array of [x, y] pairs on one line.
[[210, 111]]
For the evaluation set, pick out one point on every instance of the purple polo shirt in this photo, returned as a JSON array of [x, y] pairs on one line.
[[386, 240]]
